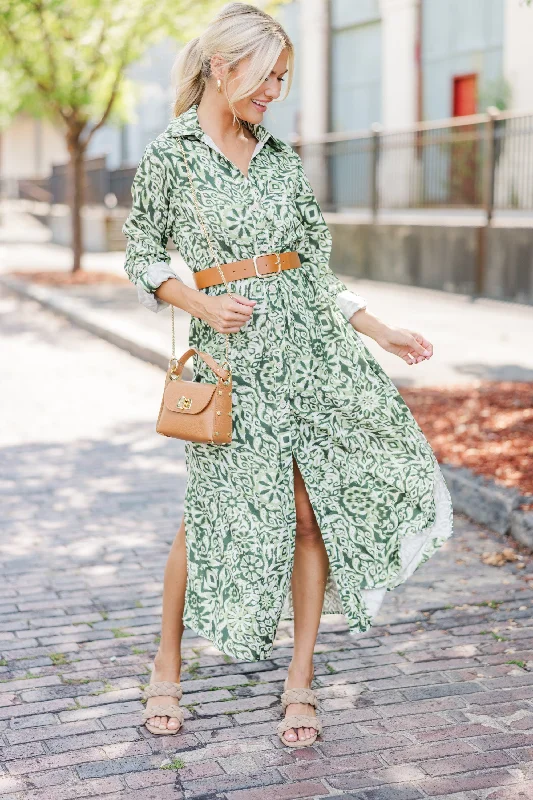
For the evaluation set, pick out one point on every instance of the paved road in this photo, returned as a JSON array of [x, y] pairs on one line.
[[435, 701]]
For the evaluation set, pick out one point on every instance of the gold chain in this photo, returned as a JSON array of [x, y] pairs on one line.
[[217, 264]]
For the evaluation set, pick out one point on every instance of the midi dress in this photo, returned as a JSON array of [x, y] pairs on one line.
[[305, 386]]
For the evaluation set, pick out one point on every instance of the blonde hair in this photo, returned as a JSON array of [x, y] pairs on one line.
[[239, 31]]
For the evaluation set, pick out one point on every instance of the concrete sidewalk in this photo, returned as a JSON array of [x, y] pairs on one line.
[[481, 339]]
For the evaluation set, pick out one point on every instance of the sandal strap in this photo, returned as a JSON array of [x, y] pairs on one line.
[[162, 689], [299, 721], [170, 711], [299, 696]]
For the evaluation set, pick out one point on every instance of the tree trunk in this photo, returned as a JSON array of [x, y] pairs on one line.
[[76, 194]]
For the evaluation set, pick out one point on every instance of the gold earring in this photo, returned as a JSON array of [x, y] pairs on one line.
[[218, 85]]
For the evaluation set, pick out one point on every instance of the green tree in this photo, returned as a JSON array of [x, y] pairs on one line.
[[65, 60]]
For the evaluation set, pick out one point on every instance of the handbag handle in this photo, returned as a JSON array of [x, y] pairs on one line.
[[204, 229], [220, 372]]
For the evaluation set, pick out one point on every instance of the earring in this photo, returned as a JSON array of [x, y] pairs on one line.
[[218, 85]]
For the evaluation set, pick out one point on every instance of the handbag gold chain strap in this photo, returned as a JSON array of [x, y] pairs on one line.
[[217, 264]]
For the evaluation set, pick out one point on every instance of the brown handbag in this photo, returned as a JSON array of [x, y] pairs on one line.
[[194, 410]]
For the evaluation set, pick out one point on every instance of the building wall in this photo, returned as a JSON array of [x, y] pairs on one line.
[[460, 37], [152, 112], [283, 118], [29, 146], [355, 64], [518, 54], [399, 89]]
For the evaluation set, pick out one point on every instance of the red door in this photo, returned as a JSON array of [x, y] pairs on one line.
[[464, 95], [464, 152]]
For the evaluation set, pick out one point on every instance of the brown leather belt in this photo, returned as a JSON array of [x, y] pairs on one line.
[[258, 266]]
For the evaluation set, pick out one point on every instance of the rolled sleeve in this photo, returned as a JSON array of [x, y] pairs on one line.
[[349, 302], [150, 280]]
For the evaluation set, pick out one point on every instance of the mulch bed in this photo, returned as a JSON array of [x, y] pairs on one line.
[[487, 427]]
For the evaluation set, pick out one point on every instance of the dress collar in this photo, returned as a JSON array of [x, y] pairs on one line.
[[187, 124]]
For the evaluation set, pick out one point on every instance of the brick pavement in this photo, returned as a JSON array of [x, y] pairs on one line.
[[435, 701]]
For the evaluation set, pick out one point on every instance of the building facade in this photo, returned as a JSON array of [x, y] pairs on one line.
[[358, 62], [398, 62]]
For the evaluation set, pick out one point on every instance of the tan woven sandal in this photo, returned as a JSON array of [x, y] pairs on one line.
[[299, 720], [160, 689]]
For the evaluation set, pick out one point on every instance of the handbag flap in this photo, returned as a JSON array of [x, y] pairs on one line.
[[188, 397]]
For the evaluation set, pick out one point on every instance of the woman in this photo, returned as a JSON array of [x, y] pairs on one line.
[[329, 494]]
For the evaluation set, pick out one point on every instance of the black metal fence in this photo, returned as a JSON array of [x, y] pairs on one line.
[[99, 182], [483, 161]]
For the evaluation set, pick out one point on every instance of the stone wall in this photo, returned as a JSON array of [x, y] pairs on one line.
[[436, 256]]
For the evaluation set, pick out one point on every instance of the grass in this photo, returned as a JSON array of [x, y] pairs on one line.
[[74, 681], [498, 637], [3, 662], [137, 651], [120, 633], [329, 668], [138, 604], [494, 635], [193, 668], [108, 687], [521, 664], [58, 659], [174, 763]]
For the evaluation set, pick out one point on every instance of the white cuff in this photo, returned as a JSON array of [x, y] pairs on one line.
[[349, 302], [154, 275]]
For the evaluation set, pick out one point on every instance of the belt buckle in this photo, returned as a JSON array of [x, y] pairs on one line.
[[264, 274]]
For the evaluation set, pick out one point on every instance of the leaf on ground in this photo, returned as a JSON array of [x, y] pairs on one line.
[[499, 558]]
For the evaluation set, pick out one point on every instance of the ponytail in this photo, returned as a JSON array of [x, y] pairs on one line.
[[188, 76]]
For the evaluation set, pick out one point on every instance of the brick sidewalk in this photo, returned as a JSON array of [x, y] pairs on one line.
[[434, 701]]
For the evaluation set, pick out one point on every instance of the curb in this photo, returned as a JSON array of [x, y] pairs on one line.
[[479, 498], [118, 332], [489, 503]]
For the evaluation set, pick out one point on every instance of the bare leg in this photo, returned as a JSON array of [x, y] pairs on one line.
[[308, 585], [167, 663]]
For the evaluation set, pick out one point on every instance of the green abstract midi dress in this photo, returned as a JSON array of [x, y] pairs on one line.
[[304, 385]]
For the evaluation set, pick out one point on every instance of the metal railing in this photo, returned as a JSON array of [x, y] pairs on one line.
[[483, 161], [120, 181], [98, 182]]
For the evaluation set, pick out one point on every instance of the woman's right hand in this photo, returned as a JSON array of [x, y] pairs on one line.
[[227, 313]]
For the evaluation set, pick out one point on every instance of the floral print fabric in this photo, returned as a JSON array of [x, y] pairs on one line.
[[305, 385]]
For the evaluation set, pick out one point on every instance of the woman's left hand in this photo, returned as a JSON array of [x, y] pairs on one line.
[[411, 346]]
